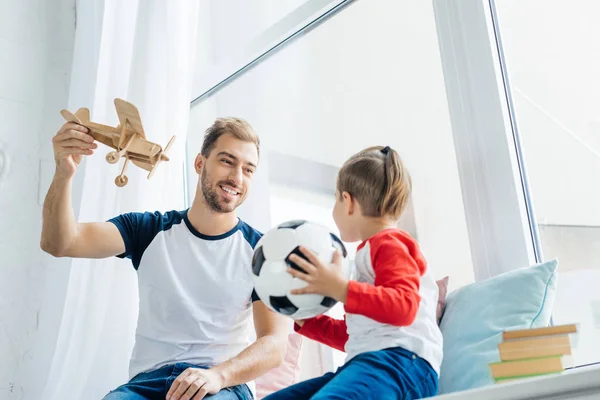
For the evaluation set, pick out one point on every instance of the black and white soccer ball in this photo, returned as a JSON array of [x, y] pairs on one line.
[[273, 283]]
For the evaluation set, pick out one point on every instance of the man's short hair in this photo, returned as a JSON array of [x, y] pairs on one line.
[[237, 127]]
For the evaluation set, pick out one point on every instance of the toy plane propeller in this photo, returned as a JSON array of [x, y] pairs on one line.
[[128, 139]]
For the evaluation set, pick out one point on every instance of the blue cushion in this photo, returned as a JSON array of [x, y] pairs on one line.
[[477, 314]]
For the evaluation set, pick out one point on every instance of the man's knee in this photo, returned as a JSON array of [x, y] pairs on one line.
[[122, 393], [116, 396]]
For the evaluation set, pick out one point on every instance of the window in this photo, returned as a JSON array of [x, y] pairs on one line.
[[235, 33], [240, 25], [552, 57], [371, 75]]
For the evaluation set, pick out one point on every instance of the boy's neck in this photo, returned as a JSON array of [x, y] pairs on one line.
[[209, 222], [371, 226]]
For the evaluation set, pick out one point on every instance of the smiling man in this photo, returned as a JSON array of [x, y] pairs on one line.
[[195, 331]]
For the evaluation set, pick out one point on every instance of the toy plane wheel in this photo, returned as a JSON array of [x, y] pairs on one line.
[[113, 157], [121, 180]]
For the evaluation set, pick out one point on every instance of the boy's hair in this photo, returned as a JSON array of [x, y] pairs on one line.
[[378, 180], [235, 126]]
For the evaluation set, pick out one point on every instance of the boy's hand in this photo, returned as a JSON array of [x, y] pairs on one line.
[[324, 279]]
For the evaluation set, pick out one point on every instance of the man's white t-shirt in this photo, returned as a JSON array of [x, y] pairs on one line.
[[195, 291]]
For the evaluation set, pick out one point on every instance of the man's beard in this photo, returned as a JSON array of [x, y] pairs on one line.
[[212, 197]]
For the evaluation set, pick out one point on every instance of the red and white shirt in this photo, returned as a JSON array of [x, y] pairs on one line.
[[391, 302]]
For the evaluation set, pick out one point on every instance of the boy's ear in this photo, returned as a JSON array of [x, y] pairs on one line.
[[349, 203]]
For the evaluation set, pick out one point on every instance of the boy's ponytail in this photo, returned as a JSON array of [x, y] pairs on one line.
[[397, 184], [378, 180]]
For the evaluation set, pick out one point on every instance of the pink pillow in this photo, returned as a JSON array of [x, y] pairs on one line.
[[443, 291], [286, 374]]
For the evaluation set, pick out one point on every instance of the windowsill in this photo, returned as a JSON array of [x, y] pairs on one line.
[[578, 383]]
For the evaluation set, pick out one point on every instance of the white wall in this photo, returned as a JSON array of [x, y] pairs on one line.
[[36, 42], [370, 75]]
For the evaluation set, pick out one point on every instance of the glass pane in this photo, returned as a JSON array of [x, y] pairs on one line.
[[239, 23], [231, 33], [553, 57], [371, 75]]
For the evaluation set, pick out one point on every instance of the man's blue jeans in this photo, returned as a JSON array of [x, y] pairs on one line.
[[155, 385]]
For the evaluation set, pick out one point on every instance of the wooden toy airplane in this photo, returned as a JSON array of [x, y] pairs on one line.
[[128, 139]]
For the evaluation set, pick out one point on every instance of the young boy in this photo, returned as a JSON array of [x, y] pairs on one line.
[[390, 330]]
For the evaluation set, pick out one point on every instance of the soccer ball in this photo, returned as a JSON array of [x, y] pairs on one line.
[[273, 283]]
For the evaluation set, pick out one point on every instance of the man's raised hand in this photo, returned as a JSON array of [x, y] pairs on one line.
[[70, 143]]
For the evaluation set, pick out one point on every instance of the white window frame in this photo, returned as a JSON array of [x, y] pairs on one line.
[[500, 221]]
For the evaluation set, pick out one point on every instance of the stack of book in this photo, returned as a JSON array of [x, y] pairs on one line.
[[533, 352]]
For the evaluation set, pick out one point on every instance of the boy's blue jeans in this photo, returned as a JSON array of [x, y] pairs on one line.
[[394, 373], [155, 385]]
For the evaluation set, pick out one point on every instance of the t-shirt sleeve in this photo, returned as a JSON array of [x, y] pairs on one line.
[[252, 236], [394, 298], [324, 329], [137, 230]]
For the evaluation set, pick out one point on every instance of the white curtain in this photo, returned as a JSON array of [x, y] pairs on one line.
[[143, 52]]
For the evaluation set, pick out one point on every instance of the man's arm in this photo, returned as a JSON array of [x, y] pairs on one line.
[[261, 356], [62, 236]]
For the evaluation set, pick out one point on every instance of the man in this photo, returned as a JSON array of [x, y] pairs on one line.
[[193, 266]]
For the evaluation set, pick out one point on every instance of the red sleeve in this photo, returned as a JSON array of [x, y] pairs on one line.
[[326, 330], [394, 298]]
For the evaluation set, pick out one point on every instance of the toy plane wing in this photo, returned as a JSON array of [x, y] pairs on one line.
[[81, 117], [144, 147], [128, 114]]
